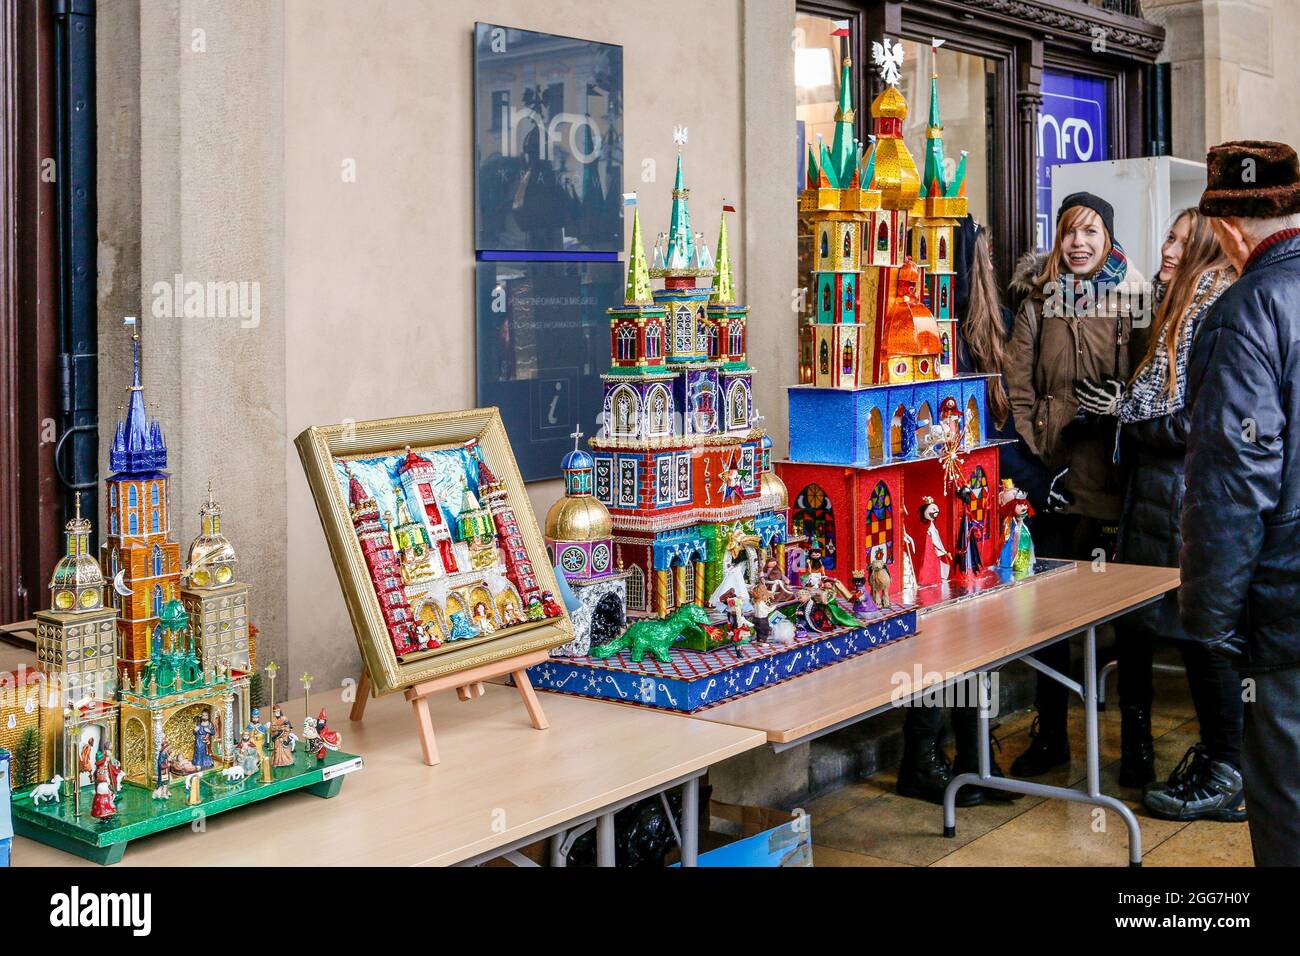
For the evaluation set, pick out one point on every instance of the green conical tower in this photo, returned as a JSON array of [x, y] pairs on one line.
[[638, 272], [958, 180], [724, 290], [681, 241], [932, 181], [843, 152]]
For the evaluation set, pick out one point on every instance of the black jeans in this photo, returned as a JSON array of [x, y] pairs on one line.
[[1076, 538], [923, 726], [1214, 683]]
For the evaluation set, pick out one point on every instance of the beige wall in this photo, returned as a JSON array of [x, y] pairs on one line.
[[1234, 69], [367, 286]]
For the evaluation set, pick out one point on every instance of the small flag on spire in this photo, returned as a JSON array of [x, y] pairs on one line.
[[728, 206], [629, 199], [129, 321], [841, 28]]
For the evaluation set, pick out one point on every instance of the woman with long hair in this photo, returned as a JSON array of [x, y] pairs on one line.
[[982, 348], [1207, 783], [1075, 322]]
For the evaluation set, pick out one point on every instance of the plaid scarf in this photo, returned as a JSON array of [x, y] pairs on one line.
[[1146, 397]]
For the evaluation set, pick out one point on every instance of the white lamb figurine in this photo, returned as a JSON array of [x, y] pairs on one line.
[[47, 791]]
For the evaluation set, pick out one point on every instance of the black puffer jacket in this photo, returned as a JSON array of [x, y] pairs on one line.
[[1148, 529], [1241, 515]]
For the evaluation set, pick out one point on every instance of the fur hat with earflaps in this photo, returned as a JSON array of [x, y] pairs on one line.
[[1254, 179]]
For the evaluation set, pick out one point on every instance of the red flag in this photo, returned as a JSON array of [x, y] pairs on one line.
[[841, 28]]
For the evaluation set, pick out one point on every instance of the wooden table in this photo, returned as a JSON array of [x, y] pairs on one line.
[[963, 643], [501, 785]]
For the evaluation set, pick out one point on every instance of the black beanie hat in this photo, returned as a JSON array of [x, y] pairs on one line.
[[1098, 205]]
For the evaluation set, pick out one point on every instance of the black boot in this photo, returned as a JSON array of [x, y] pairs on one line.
[[925, 774], [1047, 750], [1137, 752]]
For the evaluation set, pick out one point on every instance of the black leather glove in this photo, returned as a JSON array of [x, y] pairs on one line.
[[1231, 646]]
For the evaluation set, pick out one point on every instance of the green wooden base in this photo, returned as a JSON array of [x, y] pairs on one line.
[[139, 815]]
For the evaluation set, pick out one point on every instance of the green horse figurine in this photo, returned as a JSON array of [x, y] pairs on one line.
[[656, 636]]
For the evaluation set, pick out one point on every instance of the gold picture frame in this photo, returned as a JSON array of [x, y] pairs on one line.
[[321, 447]]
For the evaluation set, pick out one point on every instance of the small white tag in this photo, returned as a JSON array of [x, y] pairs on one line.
[[339, 769]]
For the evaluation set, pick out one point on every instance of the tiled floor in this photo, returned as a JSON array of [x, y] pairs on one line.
[[868, 824]]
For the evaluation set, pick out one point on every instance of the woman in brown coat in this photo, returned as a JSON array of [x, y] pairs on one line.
[[1075, 323]]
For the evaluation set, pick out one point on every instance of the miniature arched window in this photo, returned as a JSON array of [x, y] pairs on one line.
[[880, 522], [157, 599], [625, 410], [846, 358], [813, 516], [667, 578], [848, 241], [701, 324], [739, 405], [626, 343], [153, 520], [736, 338], [636, 589], [153, 492], [660, 417], [688, 583], [979, 484], [826, 297], [943, 296], [925, 420], [131, 498], [826, 244], [943, 248], [713, 340], [945, 349], [133, 523], [157, 557], [653, 340], [973, 436], [882, 237], [824, 358], [683, 330], [875, 436], [112, 495], [896, 432], [112, 522], [922, 244]]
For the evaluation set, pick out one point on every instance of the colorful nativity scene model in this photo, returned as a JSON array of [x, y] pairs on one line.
[[144, 707], [698, 578]]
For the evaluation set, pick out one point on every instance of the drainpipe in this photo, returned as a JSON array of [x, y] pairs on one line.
[[76, 454]]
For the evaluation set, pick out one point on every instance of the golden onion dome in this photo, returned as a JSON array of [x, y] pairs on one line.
[[76, 571], [890, 104], [578, 519], [211, 549], [772, 490]]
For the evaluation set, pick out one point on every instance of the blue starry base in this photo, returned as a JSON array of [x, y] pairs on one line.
[[694, 680]]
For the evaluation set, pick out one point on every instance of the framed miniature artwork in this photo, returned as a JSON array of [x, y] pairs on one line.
[[437, 551]]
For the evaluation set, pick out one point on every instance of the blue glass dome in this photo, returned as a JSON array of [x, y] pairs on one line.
[[577, 459]]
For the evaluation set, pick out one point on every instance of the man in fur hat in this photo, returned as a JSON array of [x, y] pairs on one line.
[[1240, 559]]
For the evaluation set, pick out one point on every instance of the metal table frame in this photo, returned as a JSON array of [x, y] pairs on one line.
[[1090, 793], [688, 834]]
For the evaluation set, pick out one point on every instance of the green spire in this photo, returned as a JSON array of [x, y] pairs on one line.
[[869, 166], [842, 154], [934, 164], [958, 180], [724, 291], [638, 273], [681, 241], [813, 178]]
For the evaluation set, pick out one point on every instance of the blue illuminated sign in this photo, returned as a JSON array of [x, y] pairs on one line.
[[1073, 127]]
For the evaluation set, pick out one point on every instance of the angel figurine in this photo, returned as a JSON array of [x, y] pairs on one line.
[[1017, 553], [935, 562]]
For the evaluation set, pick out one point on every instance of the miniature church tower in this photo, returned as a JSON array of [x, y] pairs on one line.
[[217, 604], [493, 495], [76, 638], [384, 568], [939, 206], [139, 545], [684, 259], [725, 333], [834, 205]]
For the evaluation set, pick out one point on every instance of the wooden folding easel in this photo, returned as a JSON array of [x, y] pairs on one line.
[[469, 685]]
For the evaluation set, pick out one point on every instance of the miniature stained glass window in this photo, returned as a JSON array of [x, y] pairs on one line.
[[653, 341], [826, 298], [626, 343], [131, 499], [848, 242], [112, 521], [824, 358], [946, 354], [157, 599], [943, 248], [133, 525], [739, 407], [626, 409], [736, 345], [943, 295], [813, 516], [847, 358], [153, 492], [684, 334], [660, 418], [157, 561], [979, 483], [153, 521], [713, 341], [882, 238], [880, 522], [636, 589], [826, 244], [922, 243]]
